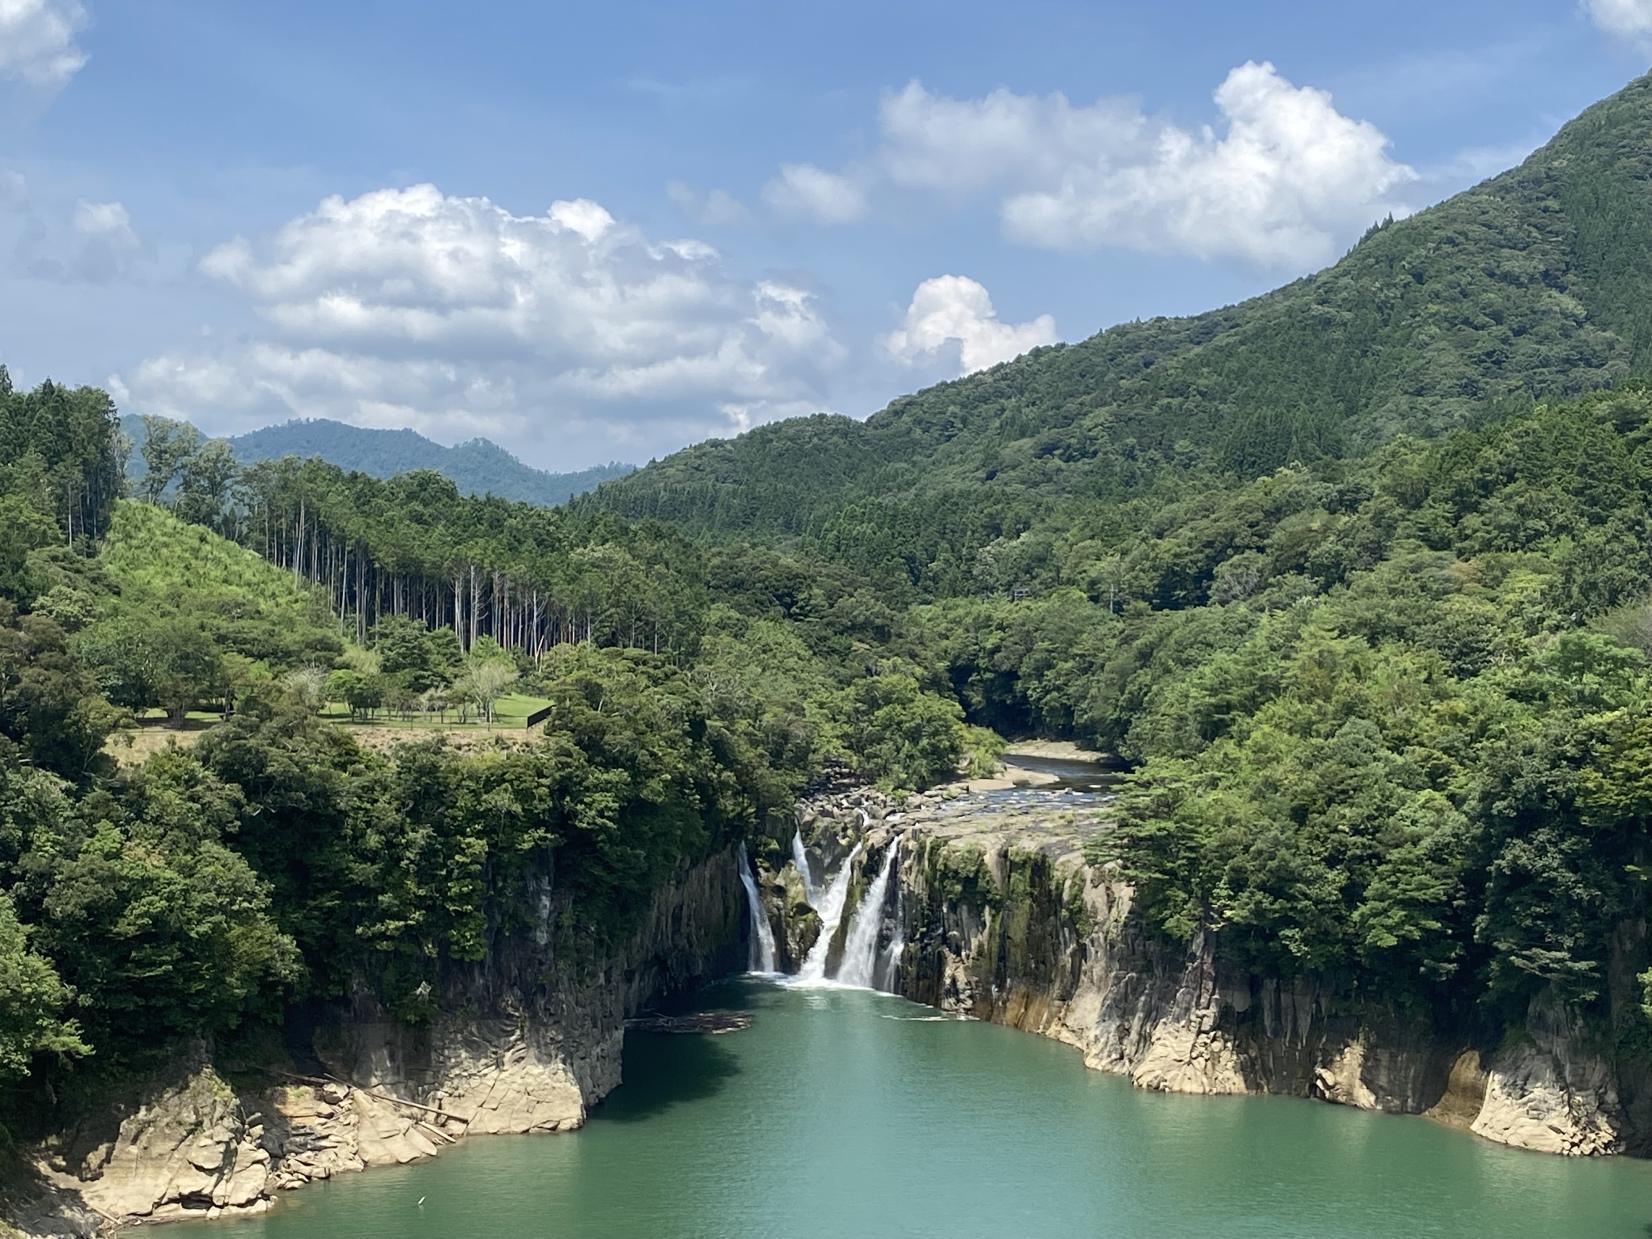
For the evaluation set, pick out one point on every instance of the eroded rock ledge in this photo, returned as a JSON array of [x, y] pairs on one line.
[[1003, 920], [537, 1044]]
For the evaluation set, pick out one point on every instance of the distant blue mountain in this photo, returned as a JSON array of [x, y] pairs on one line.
[[478, 467]]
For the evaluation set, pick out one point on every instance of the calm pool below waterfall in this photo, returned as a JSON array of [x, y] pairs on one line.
[[843, 1113]]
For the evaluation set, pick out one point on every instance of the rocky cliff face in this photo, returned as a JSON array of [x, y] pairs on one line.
[[529, 1041], [1003, 920]]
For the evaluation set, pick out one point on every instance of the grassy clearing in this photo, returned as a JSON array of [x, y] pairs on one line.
[[510, 713], [133, 745]]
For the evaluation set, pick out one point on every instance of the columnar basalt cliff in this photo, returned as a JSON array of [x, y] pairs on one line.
[[527, 1041], [1002, 919]]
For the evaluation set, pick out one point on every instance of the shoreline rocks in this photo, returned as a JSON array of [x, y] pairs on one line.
[[1002, 919], [538, 1044]]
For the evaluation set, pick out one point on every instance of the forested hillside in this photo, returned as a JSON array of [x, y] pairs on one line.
[[1388, 720], [1364, 604], [1529, 286], [476, 467], [274, 862]]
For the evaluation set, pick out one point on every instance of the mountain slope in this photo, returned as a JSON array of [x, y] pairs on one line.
[[477, 467], [1533, 284]]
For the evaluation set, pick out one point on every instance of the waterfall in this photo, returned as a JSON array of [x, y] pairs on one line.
[[800, 858], [888, 976], [831, 912], [762, 937], [860, 949]]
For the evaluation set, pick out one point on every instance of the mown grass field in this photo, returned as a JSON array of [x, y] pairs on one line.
[[134, 744], [510, 712]]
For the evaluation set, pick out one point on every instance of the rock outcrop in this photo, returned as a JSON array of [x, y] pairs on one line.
[[528, 1041], [1002, 919]]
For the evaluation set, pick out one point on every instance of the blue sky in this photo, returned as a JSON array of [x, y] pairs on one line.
[[595, 233]]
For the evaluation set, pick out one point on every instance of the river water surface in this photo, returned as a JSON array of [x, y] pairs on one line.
[[844, 1114]]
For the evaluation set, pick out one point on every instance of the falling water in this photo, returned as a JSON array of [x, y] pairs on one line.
[[860, 949], [888, 967], [830, 909], [800, 858], [762, 938]]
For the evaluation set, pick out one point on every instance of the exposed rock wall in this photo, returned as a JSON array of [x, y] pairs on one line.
[[1011, 925], [528, 1041]]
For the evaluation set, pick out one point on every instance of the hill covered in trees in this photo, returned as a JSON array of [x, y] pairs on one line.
[[1533, 285], [1388, 722], [476, 467], [1384, 686], [204, 891]]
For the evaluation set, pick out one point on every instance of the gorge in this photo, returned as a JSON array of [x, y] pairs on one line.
[[348, 814], [976, 902], [844, 1113]]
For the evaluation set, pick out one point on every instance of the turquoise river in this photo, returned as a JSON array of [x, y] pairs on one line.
[[843, 1114]]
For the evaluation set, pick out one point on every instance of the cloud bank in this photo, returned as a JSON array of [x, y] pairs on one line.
[[1281, 181], [408, 306]]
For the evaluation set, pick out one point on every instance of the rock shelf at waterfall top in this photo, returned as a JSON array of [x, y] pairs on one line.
[[1052, 800]]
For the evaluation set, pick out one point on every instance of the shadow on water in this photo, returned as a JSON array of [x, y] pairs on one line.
[[662, 1070]]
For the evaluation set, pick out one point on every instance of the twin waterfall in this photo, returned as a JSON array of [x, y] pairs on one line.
[[860, 948], [830, 909], [862, 965]]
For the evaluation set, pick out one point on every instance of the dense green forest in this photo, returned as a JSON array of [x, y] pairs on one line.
[[1357, 577], [1527, 287], [1388, 719], [476, 467], [276, 861]]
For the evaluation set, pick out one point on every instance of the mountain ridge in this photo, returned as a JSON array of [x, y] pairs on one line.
[[477, 466], [1535, 283]]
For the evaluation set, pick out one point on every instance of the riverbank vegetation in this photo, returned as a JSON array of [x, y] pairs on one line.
[[1387, 718], [275, 862], [1371, 623]]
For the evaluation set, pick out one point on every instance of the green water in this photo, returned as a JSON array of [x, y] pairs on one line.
[[852, 1115]]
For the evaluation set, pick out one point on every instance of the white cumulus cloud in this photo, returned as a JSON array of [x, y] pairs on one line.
[[1627, 19], [107, 221], [814, 193], [1282, 182], [954, 311], [105, 244], [90, 243], [1004, 138], [1289, 180], [409, 306], [37, 41]]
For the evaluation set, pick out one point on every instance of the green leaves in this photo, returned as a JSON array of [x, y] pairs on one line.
[[899, 735], [33, 1003]]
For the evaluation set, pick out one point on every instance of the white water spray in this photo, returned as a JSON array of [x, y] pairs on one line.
[[889, 966], [860, 948], [762, 937], [800, 858], [831, 913]]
